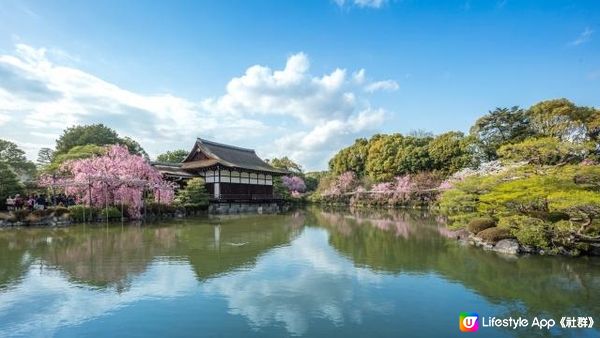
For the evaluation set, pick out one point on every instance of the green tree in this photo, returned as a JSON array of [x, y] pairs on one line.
[[134, 147], [279, 189], [194, 195], [313, 178], [413, 155], [546, 151], [96, 134], [380, 165], [9, 184], [45, 156], [564, 120], [499, 127], [175, 156], [76, 153], [352, 158], [286, 164], [14, 157], [395, 154], [450, 152]]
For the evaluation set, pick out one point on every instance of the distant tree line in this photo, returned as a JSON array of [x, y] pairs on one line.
[[549, 132]]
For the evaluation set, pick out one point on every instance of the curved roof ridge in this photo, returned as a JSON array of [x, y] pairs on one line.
[[205, 141]]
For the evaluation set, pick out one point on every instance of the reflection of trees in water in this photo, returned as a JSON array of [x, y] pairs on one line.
[[399, 223], [552, 285], [112, 256], [12, 266], [241, 240]]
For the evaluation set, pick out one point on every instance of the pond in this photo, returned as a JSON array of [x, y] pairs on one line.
[[312, 273]]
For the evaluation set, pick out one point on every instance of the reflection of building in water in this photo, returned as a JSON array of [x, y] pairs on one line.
[[217, 236]]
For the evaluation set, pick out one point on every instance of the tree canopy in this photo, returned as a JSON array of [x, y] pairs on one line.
[[96, 134], [75, 153], [286, 164], [499, 127], [564, 120], [353, 158], [14, 157], [546, 151], [174, 156], [384, 157], [45, 156]]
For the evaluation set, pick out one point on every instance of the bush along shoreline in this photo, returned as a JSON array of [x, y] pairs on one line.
[[61, 216], [547, 210]]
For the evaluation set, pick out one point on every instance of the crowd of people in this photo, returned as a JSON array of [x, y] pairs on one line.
[[38, 202]]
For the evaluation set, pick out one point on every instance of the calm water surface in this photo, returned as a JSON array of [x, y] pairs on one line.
[[311, 273]]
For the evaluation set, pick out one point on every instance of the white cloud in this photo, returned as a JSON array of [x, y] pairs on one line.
[[387, 85], [4, 119], [47, 97], [67, 304], [331, 109], [584, 37], [362, 3], [291, 91], [319, 144], [320, 283]]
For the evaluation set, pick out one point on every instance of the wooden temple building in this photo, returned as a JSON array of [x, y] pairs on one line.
[[231, 173]]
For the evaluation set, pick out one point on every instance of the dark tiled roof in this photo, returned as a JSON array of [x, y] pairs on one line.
[[232, 156], [173, 169]]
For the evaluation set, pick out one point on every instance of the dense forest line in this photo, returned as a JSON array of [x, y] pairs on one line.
[[551, 131]]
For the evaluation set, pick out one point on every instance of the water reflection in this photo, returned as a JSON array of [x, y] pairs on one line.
[[46, 300], [306, 279], [313, 272]]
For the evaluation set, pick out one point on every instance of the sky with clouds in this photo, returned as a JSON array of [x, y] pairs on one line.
[[302, 79]]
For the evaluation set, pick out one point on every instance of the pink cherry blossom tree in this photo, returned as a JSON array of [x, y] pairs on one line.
[[294, 184], [117, 177], [344, 183]]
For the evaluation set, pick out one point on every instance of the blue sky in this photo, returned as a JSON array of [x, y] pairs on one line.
[[297, 78]]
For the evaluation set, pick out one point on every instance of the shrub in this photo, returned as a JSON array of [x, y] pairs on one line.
[[154, 208], [494, 234], [110, 213], [556, 216], [193, 193], [460, 220], [527, 230], [80, 213], [479, 224]]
